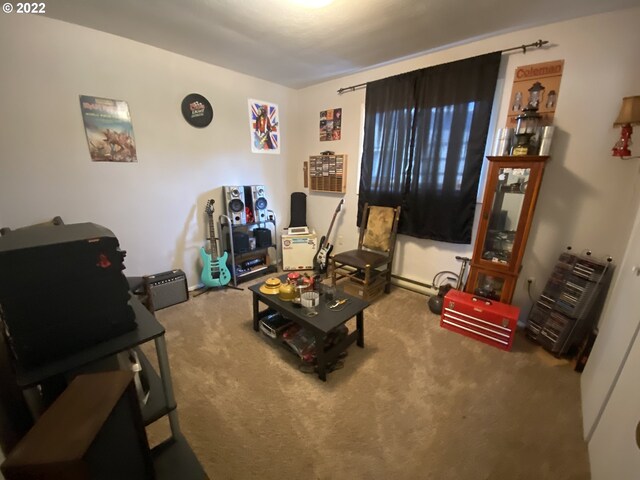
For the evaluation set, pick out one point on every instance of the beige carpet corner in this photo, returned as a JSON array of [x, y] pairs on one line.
[[418, 402]]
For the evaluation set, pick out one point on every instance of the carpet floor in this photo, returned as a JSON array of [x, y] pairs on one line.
[[418, 402]]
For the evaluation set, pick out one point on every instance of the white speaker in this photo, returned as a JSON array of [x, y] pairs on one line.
[[260, 203], [234, 201]]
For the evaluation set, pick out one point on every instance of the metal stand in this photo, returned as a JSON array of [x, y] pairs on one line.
[[225, 220]]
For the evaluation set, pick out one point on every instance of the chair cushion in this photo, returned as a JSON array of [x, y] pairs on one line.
[[361, 258], [379, 228]]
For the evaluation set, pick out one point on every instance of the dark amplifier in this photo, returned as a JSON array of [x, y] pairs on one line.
[[167, 288], [62, 290]]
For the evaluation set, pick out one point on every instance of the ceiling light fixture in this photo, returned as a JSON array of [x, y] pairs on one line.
[[313, 3]]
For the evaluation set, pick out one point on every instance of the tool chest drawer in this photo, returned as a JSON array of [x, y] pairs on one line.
[[488, 321]]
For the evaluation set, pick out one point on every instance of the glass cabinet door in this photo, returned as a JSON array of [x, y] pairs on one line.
[[504, 217], [489, 286], [508, 204]]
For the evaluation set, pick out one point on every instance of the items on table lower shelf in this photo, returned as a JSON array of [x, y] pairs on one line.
[[297, 340]]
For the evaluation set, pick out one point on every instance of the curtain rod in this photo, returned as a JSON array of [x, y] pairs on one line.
[[537, 44]]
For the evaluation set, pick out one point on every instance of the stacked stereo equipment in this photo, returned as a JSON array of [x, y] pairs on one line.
[[62, 289]]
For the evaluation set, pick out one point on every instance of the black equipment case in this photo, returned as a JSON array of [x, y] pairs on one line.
[[62, 289]]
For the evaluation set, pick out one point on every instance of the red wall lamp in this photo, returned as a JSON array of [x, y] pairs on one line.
[[629, 115]]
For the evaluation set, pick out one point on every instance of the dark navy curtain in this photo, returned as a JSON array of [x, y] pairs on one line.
[[424, 141]]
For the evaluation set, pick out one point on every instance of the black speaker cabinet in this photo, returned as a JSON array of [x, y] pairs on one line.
[[62, 289], [263, 237], [166, 288], [298, 209], [241, 242], [93, 431]]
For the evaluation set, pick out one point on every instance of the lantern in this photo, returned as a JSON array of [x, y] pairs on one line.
[[526, 128], [536, 92], [552, 97]]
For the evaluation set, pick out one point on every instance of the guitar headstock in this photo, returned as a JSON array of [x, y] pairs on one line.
[[209, 208], [340, 205]]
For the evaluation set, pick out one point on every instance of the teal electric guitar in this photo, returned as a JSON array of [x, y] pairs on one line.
[[214, 271]]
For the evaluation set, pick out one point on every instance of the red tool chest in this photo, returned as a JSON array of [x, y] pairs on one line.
[[485, 320]]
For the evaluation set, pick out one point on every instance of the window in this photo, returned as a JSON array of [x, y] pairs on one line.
[[424, 138]]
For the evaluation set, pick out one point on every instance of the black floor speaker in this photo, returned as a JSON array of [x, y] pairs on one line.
[[166, 288], [298, 209]]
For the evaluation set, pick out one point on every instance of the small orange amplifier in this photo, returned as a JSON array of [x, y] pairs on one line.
[[488, 321]]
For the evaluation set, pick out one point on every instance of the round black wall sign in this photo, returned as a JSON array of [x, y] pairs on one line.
[[197, 110]]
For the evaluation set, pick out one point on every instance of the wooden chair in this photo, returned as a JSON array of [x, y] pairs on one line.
[[368, 268]]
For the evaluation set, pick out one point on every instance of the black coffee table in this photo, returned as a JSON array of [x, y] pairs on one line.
[[319, 325]]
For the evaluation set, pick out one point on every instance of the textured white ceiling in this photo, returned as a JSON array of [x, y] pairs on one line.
[[281, 41]]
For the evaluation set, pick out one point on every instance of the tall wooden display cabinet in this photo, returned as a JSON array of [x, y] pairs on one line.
[[512, 187]]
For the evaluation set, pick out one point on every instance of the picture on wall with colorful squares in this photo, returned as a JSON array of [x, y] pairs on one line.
[[331, 124]]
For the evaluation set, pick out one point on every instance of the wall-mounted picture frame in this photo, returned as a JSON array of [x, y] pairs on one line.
[[536, 85], [264, 124], [196, 110], [331, 124], [107, 123]]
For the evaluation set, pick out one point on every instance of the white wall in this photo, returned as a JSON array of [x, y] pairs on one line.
[[617, 331], [156, 206], [587, 197]]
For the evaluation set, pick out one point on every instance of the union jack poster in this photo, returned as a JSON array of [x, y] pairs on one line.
[[265, 127]]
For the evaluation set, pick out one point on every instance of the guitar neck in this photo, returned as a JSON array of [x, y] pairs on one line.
[[331, 227], [212, 237], [335, 214]]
